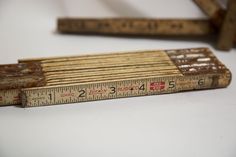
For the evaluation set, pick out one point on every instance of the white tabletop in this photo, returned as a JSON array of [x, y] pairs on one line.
[[200, 123]]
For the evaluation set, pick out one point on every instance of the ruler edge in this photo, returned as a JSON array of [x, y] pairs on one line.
[[210, 76]]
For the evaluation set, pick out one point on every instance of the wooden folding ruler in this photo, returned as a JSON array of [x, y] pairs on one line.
[[221, 21], [61, 80]]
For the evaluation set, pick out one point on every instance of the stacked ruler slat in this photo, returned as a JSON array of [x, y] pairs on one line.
[[108, 67]]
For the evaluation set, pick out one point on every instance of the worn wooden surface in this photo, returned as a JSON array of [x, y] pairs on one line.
[[15, 76], [214, 11], [228, 28], [201, 61], [134, 26]]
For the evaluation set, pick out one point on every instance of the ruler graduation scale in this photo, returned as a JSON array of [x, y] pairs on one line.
[[61, 80]]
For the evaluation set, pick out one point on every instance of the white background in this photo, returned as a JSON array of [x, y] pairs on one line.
[[190, 124]]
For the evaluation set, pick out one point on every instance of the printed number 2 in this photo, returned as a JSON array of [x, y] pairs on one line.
[[82, 93]]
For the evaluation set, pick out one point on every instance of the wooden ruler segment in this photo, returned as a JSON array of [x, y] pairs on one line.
[[74, 93], [116, 75], [135, 26], [107, 90], [212, 9], [228, 28], [216, 12]]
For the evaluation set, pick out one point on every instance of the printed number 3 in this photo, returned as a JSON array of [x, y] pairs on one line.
[[113, 90]]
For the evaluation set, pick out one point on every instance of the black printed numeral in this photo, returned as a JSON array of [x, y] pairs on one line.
[[201, 82], [113, 90], [171, 84], [82, 93], [141, 87]]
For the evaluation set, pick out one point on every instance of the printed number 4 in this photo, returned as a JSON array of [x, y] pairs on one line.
[[141, 87]]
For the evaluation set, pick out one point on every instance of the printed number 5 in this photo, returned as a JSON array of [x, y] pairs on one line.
[[172, 84]]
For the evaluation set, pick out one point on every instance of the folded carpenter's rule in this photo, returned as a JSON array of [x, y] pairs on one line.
[[61, 80]]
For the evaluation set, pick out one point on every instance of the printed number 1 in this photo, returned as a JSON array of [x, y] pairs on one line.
[[50, 96]]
